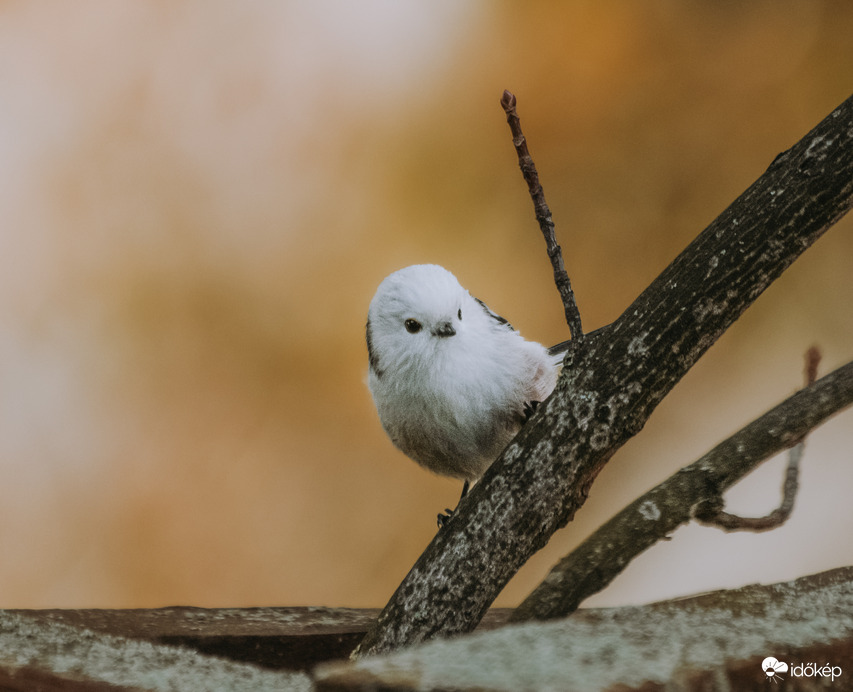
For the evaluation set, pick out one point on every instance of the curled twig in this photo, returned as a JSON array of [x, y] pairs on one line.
[[543, 216], [733, 522], [713, 514]]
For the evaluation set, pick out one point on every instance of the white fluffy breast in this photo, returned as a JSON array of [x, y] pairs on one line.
[[449, 402]]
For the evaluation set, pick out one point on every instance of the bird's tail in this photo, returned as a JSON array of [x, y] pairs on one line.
[[559, 350]]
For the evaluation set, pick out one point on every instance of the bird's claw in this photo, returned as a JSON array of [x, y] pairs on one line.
[[529, 409], [444, 517], [448, 513]]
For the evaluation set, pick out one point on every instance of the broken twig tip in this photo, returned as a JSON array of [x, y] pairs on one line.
[[813, 357], [543, 216]]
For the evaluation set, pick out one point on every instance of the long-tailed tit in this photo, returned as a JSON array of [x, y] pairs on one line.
[[452, 381]]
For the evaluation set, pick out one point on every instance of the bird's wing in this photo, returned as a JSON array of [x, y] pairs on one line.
[[495, 316], [559, 349]]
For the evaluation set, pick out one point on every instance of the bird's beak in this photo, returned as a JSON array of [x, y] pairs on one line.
[[444, 329]]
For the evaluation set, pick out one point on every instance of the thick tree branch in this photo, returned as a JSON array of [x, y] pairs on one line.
[[652, 517], [611, 383], [543, 216]]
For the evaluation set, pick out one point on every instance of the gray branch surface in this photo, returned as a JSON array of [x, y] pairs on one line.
[[611, 383], [653, 516], [715, 642], [40, 653]]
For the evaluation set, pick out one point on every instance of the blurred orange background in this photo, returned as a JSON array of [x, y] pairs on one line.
[[198, 200]]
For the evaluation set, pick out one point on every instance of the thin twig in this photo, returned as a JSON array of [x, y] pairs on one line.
[[812, 362], [543, 216]]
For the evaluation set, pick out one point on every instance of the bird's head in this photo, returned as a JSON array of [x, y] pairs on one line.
[[416, 313]]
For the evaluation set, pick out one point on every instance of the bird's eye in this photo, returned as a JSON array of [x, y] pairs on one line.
[[412, 326], [459, 314]]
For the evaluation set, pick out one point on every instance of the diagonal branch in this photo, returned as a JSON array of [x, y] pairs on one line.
[[652, 517], [543, 216], [611, 383]]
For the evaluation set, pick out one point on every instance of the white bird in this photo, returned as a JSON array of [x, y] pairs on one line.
[[452, 381]]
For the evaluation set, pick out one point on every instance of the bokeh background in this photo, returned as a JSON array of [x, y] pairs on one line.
[[198, 199]]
